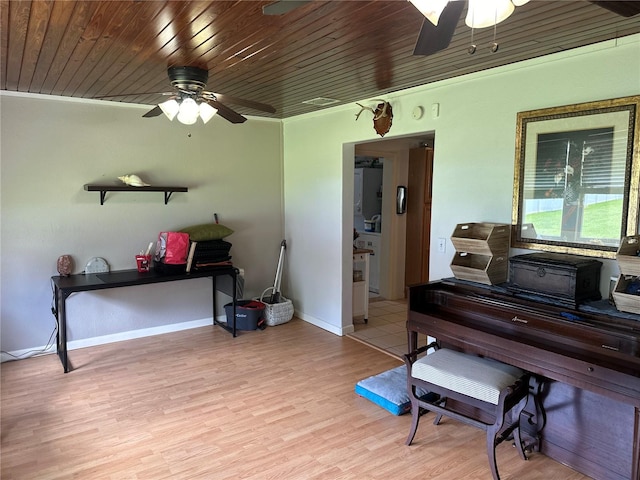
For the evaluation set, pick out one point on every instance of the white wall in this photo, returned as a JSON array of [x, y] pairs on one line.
[[257, 177], [473, 162], [51, 147]]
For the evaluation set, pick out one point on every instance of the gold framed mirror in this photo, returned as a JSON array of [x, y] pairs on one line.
[[577, 171]]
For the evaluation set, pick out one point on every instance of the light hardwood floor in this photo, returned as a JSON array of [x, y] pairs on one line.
[[199, 404]]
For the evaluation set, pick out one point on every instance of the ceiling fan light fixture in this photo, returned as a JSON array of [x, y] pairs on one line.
[[431, 9], [487, 13], [207, 112], [189, 111], [170, 108]]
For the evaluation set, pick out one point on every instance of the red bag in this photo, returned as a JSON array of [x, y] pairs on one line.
[[172, 248]]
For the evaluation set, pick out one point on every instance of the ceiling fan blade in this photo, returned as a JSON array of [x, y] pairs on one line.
[[226, 113], [283, 6], [625, 9], [263, 107], [154, 112], [434, 38]]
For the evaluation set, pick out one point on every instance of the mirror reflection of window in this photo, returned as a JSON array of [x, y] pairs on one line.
[[575, 190], [577, 177]]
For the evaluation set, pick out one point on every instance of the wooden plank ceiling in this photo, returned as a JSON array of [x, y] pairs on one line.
[[343, 50]]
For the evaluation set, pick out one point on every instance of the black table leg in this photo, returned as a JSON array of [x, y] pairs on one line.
[[234, 279], [61, 334], [233, 274], [213, 293]]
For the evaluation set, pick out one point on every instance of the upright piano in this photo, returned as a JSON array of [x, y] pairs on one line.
[[587, 360]]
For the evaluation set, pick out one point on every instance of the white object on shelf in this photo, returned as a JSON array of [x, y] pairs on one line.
[[96, 265], [133, 181]]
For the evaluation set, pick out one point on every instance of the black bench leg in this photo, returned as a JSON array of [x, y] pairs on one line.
[[517, 435], [443, 403], [415, 419], [492, 433], [519, 444]]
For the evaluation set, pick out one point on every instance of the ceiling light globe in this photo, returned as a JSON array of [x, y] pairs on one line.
[[487, 13], [170, 108], [189, 111], [207, 112], [431, 9]]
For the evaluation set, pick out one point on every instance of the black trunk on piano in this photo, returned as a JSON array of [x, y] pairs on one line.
[[565, 279]]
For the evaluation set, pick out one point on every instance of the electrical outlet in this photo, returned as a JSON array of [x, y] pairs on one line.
[[442, 245]]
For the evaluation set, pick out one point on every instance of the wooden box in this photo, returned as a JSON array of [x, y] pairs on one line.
[[627, 256], [487, 269], [625, 302], [566, 279], [482, 238]]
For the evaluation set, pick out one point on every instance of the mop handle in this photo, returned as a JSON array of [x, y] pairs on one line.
[[278, 279]]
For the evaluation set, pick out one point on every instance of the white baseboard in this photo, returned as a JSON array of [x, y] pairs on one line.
[[143, 332], [325, 326], [104, 339], [27, 353], [148, 332]]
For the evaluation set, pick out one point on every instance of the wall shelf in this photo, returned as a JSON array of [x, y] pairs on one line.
[[103, 189]]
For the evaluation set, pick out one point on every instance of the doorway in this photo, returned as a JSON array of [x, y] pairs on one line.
[[367, 213], [393, 232]]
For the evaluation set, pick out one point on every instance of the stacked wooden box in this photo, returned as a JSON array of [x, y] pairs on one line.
[[482, 252], [629, 263]]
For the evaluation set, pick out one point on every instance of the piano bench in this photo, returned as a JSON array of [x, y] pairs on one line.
[[490, 389]]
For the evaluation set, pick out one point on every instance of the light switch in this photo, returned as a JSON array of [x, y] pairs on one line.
[[435, 110]]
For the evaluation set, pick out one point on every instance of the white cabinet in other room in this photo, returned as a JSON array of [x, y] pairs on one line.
[[371, 241]]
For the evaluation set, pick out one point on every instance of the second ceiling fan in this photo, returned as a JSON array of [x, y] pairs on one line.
[[442, 16]]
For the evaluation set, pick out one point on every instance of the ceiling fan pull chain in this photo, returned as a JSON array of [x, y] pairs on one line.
[[472, 48], [493, 48]]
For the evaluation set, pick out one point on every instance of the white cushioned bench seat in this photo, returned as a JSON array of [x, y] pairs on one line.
[[475, 377], [474, 390]]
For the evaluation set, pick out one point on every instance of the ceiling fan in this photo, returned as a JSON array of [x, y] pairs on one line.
[[189, 100], [442, 17]]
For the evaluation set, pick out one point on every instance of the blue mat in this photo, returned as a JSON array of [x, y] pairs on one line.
[[388, 390]]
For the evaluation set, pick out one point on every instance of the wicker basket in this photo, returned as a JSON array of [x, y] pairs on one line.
[[276, 313]]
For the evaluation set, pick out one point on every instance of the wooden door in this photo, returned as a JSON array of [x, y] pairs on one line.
[[418, 215]]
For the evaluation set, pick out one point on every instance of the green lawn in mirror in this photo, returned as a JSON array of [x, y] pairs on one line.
[[601, 220]]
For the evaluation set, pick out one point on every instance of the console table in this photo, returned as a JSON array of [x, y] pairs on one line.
[[587, 361], [65, 286]]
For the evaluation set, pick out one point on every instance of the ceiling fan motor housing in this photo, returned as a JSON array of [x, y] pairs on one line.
[[190, 79]]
